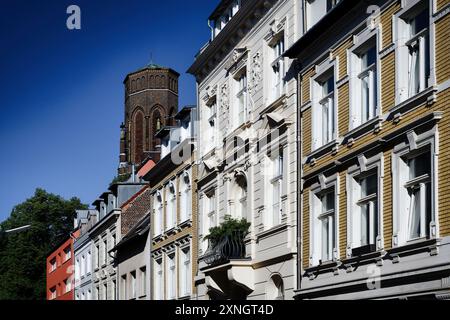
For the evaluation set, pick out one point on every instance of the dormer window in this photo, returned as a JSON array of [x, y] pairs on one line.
[[316, 9], [221, 21]]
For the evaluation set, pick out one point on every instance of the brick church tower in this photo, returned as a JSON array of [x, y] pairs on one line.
[[151, 102]]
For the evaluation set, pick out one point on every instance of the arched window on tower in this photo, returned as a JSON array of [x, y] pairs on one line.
[[138, 137], [157, 124]]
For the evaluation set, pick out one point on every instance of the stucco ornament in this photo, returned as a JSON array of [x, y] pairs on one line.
[[255, 73], [225, 105]]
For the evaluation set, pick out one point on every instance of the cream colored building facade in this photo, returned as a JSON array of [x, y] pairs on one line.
[[247, 148], [173, 183]]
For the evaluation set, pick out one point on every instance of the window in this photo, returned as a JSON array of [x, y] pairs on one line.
[[171, 277], [133, 284], [105, 292], [210, 216], [158, 212], [241, 195], [316, 9], [89, 263], [324, 109], [158, 274], [278, 69], [364, 212], [77, 269], [67, 285], [105, 251], [143, 278], [228, 13], [211, 124], [326, 220], [323, 226], [53, 264], [418, 46], [413, 54], [365, 100], [171, 207], [185, 272], [67, 253], [52, 293], [276, 184], [113, 290], [97, 255], [185, 197], [83, 266], [97, 293], [241, 97], [123, 284], [113, 240], [418, 187], [327, 110]]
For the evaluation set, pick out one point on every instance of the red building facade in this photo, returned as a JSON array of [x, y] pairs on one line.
[[60, 271]]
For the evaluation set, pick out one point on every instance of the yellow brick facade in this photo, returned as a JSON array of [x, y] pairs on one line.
[[388, 101], [192, 230]]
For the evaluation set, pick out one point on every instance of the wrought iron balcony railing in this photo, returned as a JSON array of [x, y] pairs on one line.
[[229, 247]]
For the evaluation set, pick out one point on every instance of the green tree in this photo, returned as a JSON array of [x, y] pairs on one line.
[[23, 255]]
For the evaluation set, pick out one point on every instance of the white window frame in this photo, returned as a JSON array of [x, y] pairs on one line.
[[277, 67], [67, 285], [417, 144], [210, 215], [323, 72], [158, 272], [171, 273], [53, 264], [185, 197], [276, 183], [67, 254], [185, 271], [158, 213], [133, 284], [241, 92], [404, 40], [77, 269], [171, 207], [315, 10], [89, 263], [367, 39], [83, 266], [53, 293], [316, 214], [104, 251], [97, 255], [210, 117], [143, 282], [365, 167]]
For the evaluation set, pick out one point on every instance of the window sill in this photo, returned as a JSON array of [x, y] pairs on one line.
[[331, 146], [415, 246], [185, 297], [313, 271], [273, 230], [365, 257], [372, 125], [275, 104], [170, 231], [185, 224], [428, 95]]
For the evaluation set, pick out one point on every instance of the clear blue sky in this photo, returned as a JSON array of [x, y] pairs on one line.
[[61, 91]]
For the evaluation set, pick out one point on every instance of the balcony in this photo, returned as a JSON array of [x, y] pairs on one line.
[[229, 247], [228, 272]]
